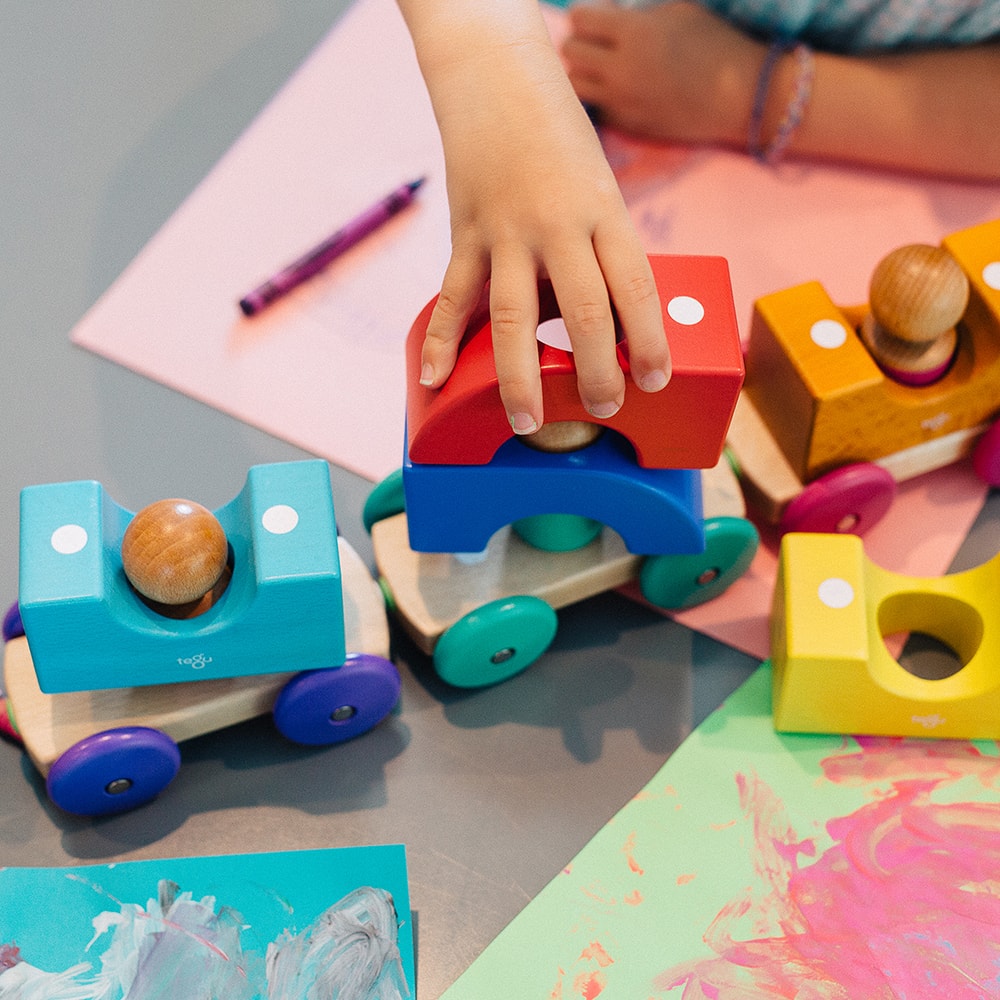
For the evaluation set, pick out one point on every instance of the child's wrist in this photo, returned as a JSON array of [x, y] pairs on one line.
[[781, 98], [732, 99]]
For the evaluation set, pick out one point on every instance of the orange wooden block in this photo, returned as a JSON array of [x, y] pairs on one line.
[[682, 427], [977, 250], [827, 402]]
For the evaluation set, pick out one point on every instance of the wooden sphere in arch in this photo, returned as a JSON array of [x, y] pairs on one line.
[[918, 292], [174, 551], [563, 436]]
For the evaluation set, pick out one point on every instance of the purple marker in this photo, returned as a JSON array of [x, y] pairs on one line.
[[316, 259]]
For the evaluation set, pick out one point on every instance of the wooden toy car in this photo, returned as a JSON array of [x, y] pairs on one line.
[[832, 671], [842, 403], [135, 631], [576, 508]]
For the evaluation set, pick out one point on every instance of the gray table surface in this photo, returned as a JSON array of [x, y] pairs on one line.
[[111, 115]]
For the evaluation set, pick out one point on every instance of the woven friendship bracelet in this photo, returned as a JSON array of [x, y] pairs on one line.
[[772, 151], [774, 52]]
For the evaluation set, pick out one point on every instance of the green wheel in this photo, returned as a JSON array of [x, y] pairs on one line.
[[388, 597], [733, 461], [385, 500], [495, 642], [558, 532], [683, 581]]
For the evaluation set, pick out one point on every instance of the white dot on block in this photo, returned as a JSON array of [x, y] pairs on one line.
[[991, 274], [280, 519], [685, 310], [68, 539], [835, 592], [828, 333], [553, 332]]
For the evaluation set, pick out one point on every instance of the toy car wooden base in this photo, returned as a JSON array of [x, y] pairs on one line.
[[484, 620], [112, 749], [832, 672], [772, 486]]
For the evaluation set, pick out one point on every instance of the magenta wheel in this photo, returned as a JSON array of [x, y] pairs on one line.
[[850, 500], [8, 725], [986, 457], [318, 707], [113, 771]]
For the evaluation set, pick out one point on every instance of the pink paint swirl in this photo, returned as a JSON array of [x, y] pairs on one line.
[[903, 905]]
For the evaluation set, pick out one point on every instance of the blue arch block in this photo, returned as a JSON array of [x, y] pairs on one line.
[[282, 610], [456, 508]]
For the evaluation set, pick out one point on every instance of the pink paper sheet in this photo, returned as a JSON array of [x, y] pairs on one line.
[[324, 367]]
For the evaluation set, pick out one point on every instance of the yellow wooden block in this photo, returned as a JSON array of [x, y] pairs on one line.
[[826, 401], [833, 672]]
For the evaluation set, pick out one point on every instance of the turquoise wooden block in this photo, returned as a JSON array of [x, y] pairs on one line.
[[281, 611]]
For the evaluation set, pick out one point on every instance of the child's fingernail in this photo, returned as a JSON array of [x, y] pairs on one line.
[[653, 381], [523, 423], [427, 374], [604, 410]]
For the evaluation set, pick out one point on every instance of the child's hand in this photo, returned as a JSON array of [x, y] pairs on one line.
[[532, 196], [671, 71], [678, 73]]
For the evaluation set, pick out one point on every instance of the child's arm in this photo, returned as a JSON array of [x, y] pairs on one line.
[[933, 111], [676, 72], [531, 194]]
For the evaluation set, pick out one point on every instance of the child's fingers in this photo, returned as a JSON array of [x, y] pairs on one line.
[[590, 91], [514, 319], [640, 313], [586, 311], [461, 290], [586, 59], [595, 23], [585, 52]]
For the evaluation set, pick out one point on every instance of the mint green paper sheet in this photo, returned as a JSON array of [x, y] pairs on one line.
[[762, 865], [230, 927]]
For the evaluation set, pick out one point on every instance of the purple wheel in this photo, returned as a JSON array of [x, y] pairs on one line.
[[846, 501], [318, 707], [12, 627], [986, 457], [113, 771]]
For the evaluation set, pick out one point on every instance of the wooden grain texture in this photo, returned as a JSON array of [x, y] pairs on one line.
[[917, 293], [174, 551]]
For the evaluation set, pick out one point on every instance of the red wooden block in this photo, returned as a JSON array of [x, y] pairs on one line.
[[681, 427]]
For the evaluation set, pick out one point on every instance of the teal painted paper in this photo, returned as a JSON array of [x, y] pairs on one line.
[[48, 913], [759, 864]]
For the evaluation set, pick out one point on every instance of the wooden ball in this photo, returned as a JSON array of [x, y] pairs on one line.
[[174, 551], [563, 436], [918, 293]]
